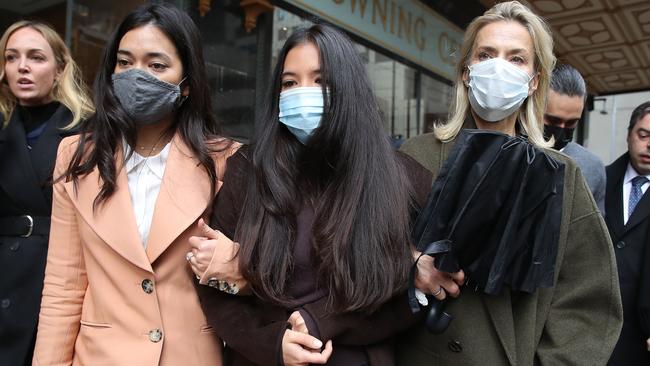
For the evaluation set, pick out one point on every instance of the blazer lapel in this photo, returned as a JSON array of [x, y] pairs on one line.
[[184, 196], [500, 310], [113, 220], [614, 197], [617, 208]]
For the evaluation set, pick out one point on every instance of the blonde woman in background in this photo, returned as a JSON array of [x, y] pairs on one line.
[[502, 80], [42, 99]]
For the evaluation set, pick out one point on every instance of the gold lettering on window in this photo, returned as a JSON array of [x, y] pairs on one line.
[[392, 17], [362, 6], [418, 33], [377, 8], [404, 23]]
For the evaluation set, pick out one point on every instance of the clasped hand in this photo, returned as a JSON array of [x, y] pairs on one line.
[[301, 349]]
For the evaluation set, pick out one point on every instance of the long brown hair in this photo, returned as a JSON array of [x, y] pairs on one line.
[[348, 173]]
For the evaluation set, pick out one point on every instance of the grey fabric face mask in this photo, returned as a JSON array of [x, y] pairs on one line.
[[144, 97]]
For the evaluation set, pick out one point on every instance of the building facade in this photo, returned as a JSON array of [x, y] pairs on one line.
[[408, 48]]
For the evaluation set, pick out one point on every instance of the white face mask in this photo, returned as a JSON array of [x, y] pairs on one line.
[[497, 88]]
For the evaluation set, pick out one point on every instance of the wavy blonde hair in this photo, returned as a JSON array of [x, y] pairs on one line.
[[69, 89], [531, 116]]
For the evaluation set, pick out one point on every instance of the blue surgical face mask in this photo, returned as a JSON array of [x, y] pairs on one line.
[[301, 110]]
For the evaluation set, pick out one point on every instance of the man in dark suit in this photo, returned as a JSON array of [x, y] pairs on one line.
[[566, 100], [628, 220]]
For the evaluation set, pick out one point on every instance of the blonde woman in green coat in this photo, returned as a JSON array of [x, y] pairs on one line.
[[502, 82]]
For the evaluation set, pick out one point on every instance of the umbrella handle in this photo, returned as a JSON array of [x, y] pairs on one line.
[[437, 320]]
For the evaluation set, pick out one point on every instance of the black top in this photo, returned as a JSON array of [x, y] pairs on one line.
[[35, 116]]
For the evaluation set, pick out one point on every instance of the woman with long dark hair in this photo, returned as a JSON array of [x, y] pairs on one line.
[[128, 192], [320, 206]]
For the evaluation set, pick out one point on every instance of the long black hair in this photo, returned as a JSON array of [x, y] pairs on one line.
[[101, 135], [347, 172]]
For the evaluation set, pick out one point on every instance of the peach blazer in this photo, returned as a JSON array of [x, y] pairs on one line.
[[107, 301]]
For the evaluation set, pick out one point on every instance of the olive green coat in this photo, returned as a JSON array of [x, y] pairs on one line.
[[576, 322]]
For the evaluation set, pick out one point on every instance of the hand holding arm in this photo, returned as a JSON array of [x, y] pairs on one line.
[[214, 257]]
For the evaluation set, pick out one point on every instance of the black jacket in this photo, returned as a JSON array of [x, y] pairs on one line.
[[25, 189], [632, 257]]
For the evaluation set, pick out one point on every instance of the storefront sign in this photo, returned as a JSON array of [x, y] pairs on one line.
[[405, 27]]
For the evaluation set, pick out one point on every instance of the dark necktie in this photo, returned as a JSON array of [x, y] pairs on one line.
[[635, 193]]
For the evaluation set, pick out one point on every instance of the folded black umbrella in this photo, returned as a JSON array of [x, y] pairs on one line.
[[494, 211]]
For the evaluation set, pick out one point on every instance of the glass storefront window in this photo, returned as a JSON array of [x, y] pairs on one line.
[[50, 12], [394, 85], [231, 58], [436, 98], [93, 23]]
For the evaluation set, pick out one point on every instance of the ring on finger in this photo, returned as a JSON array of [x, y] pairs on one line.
[[437, 292], [189, 256]]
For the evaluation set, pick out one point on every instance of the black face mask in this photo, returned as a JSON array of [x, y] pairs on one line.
[[562, 135]]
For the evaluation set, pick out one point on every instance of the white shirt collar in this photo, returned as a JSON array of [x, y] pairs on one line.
[[156, 163], [631, 173]]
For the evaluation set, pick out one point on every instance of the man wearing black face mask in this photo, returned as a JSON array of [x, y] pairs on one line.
[[566, 100]]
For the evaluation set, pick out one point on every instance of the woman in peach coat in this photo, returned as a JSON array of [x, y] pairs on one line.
[[128, 193]]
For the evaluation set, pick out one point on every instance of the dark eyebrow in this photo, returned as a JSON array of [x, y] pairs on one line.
[[641, 129], [148, 55], [158, 55], [291, 73]]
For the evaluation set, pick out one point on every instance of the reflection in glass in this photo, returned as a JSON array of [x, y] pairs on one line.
[[230, 55], [435, 103]]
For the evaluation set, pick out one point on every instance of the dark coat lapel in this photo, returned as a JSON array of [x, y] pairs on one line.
[[614, 196], [20, 180]]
